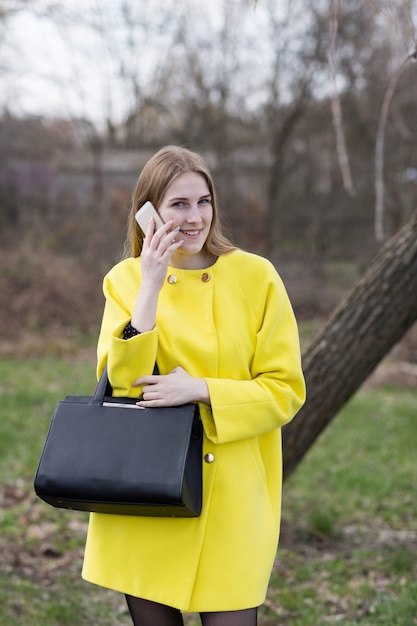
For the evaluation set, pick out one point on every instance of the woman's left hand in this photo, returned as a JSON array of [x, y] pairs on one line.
[[172, 389]]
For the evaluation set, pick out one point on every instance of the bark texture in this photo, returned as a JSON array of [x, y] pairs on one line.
[[361, 331]]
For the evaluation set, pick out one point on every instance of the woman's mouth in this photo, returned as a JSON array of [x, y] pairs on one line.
[[191, 233]]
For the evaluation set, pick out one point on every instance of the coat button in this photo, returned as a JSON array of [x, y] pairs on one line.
[[205, 277], [209, 458], [172, 279]]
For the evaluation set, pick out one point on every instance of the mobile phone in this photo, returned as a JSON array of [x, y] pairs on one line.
[[143, 217]]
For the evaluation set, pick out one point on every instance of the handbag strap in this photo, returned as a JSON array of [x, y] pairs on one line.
[[103, 388]]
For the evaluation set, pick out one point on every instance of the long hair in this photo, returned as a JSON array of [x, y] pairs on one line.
[[152, 184]]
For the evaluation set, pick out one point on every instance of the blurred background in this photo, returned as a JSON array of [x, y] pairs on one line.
[[283, 98]]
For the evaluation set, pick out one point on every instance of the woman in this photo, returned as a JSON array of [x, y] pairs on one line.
[[219, 324]]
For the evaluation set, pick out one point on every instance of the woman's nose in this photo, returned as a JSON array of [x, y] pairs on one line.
[[193, 214]]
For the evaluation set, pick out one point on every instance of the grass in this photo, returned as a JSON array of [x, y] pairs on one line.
[[350, 520], [349, 529]]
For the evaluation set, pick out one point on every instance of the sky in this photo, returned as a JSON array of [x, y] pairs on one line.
[[53, 68], [63, 68], [60, 67]]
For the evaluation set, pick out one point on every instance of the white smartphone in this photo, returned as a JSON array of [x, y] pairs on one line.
[[143, 217]]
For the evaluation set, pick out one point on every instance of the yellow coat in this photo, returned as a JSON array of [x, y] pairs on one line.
[[235, 327]]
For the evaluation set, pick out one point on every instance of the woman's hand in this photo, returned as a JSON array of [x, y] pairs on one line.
[[172, 389], [156, 251]]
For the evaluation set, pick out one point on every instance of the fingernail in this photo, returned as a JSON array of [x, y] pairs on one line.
[[176, 229]]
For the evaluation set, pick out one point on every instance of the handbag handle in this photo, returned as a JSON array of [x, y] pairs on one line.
[[104, 387]]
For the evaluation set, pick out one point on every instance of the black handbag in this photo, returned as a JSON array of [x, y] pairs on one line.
[[106, 455]]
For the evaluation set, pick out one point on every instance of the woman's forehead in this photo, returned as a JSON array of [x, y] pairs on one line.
[[186, 185]]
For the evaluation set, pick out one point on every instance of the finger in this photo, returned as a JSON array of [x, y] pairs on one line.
[[148, 395], [150, 403], [169, 240], [163, 230], [168, 249], [153, 234], [145, 380], [174, 245], [150, 231]]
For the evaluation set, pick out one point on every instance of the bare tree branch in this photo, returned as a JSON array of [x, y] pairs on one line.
[[379, 148], [403, 26], [336, 105]]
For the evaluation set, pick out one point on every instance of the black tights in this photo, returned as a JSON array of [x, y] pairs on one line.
[[147, 613]]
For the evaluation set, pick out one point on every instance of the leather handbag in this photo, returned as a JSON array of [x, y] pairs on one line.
[[104, 454]]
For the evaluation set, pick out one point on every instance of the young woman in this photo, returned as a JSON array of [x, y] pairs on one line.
[[218, 322]]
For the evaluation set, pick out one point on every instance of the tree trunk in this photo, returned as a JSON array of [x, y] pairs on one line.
[[379, 310]]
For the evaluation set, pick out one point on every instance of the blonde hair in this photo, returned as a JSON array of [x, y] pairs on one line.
[[152, 184]]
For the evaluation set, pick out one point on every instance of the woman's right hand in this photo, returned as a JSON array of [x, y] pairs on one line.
[[156, 252]]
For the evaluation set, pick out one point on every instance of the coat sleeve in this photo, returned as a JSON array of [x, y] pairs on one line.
[[276, 390], [126, 360]]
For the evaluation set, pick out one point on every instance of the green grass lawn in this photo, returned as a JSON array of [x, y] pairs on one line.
[[349, 531], [349, 537]]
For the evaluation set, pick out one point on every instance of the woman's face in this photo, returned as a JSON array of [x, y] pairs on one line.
[[187, 202]]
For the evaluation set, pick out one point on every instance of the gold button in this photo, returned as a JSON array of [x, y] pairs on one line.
[[209, 458], [205, 277], [172, 279]]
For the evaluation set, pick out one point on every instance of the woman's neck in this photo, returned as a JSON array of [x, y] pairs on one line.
[[192, 261]]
